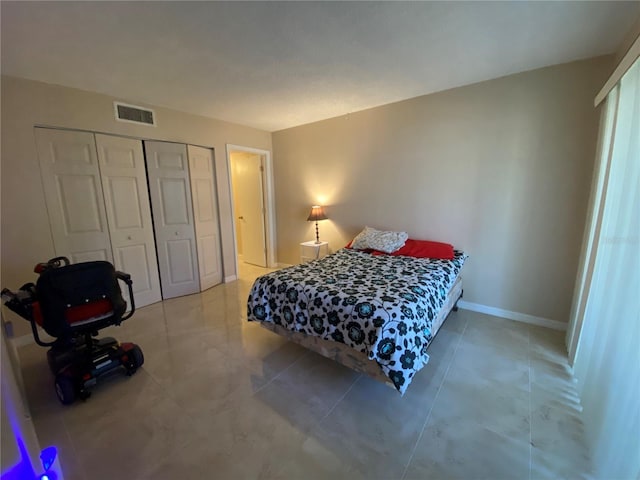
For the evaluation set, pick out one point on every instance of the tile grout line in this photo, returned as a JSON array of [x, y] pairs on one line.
[[530, 412], [83, 470], [341, 398], [166, 394], [334, 405], [319, 421], [426, 421], [304, 354]]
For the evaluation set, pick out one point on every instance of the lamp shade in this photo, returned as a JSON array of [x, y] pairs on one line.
[[317, 213]]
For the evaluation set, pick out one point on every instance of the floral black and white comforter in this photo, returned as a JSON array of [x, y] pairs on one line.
[[382, 306]]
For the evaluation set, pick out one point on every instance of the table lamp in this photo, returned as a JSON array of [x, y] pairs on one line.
[[317, 214]]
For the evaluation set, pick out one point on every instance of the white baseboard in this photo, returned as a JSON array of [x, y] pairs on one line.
[[517, 316], [230, 278]]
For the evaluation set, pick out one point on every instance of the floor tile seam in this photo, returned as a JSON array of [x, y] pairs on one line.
[[317, 422], [304, 354], [167, 389], [216, 347], [156, 381], [510, 438], [80, 463], [167, 395], [342, 397], [426, 421], [495, 348]]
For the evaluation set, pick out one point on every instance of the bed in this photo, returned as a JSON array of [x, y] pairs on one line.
[[376, 314]]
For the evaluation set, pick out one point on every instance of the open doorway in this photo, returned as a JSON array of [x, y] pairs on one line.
[[252, 193]]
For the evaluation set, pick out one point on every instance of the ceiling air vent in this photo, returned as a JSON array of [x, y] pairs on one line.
[[134, 114]]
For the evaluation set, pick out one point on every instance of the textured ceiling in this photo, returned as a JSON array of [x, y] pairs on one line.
[[274, 65]]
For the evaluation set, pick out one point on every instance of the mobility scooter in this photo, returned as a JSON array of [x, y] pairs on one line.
[[72, 302]]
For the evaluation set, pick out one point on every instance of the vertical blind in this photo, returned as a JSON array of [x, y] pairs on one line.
[[604, 336]]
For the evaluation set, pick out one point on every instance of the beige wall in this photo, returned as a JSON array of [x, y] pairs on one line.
[[26, 237], [501, 169]]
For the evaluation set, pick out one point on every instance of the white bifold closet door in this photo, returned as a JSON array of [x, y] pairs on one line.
[[124, 185], [205, 212], [98, 204], [73, 193], [169, 186]]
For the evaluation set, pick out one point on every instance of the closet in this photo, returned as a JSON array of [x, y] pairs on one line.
[[108, 199]]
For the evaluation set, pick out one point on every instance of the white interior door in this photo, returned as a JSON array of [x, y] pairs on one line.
[[205, 213], [169, 186], [249, 210], [73, 193], [124, 185]]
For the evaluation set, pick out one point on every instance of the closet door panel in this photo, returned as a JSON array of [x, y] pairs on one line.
[[180, 257], [169, 186], [174, 193], [205, 207], [73, 194], [124, 183], [137, 265]]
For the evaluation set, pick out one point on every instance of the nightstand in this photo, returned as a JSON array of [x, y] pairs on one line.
[[312, 250]]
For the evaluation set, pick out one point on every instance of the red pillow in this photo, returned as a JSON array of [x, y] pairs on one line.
[[423, 249], [418, 249]]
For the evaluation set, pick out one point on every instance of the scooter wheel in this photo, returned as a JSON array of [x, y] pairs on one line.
[[65, 389], [137, 358]]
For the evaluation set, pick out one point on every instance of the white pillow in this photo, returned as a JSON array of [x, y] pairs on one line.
[[386, 242]]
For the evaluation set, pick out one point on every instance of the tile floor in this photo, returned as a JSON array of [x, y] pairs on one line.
[[221, 398]]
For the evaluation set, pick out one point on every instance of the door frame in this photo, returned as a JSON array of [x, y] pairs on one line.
[[269, 202]]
